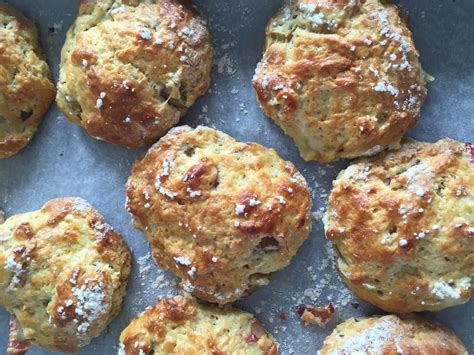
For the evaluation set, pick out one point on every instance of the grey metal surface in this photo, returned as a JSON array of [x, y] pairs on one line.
[[63, 160]]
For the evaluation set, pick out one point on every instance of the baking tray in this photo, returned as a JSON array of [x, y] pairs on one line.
[[63, 160]]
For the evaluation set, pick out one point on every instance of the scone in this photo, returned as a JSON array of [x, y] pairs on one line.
[[26, 89], [63, 274], [392, 335], [183, 326], [222, 215], [130, 69], [402, 224], [342, 78]]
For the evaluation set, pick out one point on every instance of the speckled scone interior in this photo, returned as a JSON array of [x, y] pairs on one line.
[[342, 78], [220, 214], [392, 335], [26, 90], [63, 273], [403, 226], [130, 69], [183, 326]]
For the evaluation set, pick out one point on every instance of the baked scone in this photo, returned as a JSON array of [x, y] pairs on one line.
[[392, 335], [63, 274], [342, 78], [402, 224], [182, 326], [222, 215], [130, 69], [26, 89]]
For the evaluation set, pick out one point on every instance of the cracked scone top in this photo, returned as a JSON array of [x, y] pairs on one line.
[[392, 335], [222, 215], [402, 224], [63, 274], [342, 78], [182, 326], [130, 69], [26, 89]]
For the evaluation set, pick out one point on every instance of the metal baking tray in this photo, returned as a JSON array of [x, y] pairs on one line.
[[63, 160]]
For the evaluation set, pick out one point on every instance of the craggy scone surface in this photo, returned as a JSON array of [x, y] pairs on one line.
[[392, 335], [63, 273], [342, 78], [26, 90], [184, 327], [130, 69], [220, 214], [403, 226]]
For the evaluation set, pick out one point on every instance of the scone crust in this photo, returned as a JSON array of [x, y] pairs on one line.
[[403, 224], [130, 69], [220, 214], [26, 89], [63, 273], [182, 326], [342, 78], [392, 334]]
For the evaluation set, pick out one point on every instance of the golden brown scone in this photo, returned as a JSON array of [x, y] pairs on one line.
[[130, 69], [184, 327], [342, 78], [222, 215], [403, 225], [391, 335], [63, 274], [26, 89]]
